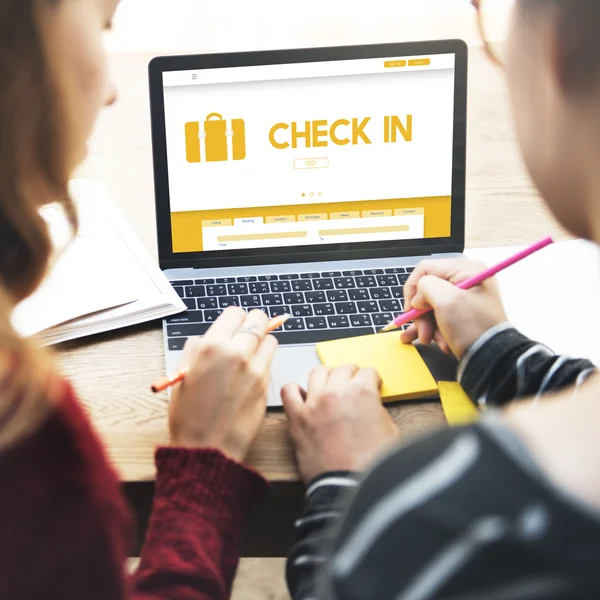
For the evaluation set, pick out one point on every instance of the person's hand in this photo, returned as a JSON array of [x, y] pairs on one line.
[[222, 400], [339, 423], [459, 317]]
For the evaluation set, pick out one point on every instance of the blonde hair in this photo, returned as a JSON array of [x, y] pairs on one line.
[[31, 150]]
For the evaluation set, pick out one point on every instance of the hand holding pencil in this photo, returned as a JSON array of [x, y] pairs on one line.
[[459, 317], [179, 376], [222, 401]]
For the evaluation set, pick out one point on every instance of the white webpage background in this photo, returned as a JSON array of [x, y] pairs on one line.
[[267, 176]]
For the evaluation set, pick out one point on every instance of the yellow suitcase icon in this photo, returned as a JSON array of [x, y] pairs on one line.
[[215, 137], [192, 141]]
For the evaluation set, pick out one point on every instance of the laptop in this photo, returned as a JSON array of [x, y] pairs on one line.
[[309, 182]]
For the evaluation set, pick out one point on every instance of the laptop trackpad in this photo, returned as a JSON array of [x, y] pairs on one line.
[[291, 364], [294, 363]]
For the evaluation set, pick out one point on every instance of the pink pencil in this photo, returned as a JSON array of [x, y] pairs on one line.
[[467, 284]]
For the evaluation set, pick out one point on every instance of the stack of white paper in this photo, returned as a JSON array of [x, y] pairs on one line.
[[105, 279]]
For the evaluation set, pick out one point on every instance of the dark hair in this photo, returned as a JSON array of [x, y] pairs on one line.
[[30, 145], [579, 32]]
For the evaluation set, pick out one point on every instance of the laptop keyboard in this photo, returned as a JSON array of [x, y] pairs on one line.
[[324, 305]]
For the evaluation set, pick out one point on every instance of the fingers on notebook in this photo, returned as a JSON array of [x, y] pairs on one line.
[[342, 375], [369, 376]]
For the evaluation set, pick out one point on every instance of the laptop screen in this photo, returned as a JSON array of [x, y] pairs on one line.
[[313, 153]]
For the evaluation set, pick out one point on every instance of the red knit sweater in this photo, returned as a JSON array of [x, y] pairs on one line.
[[65, 530]]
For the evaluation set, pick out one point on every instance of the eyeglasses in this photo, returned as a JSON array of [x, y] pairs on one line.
[[493, 19]]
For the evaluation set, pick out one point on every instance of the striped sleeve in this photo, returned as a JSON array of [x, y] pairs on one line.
[[463, 514], [504, 365], [326, 496], [434, 516]]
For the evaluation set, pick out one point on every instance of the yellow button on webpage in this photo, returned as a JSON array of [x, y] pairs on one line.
[[401, 212], [216, 223], [282, 219], [419, 62], [354, 214], [391, 64], [313, 217], [377, 213], [249, 221], [311, 163]]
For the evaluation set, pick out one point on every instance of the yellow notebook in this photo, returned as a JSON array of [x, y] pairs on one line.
[[458, 407], [404, 373]]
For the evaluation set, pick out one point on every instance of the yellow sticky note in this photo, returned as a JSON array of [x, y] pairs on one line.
[[404, 373], [458, 407]]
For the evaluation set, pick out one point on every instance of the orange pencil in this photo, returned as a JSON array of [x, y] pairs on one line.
[[170, 380]]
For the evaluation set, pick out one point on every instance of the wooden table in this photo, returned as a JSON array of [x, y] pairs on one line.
[[111, 372]]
